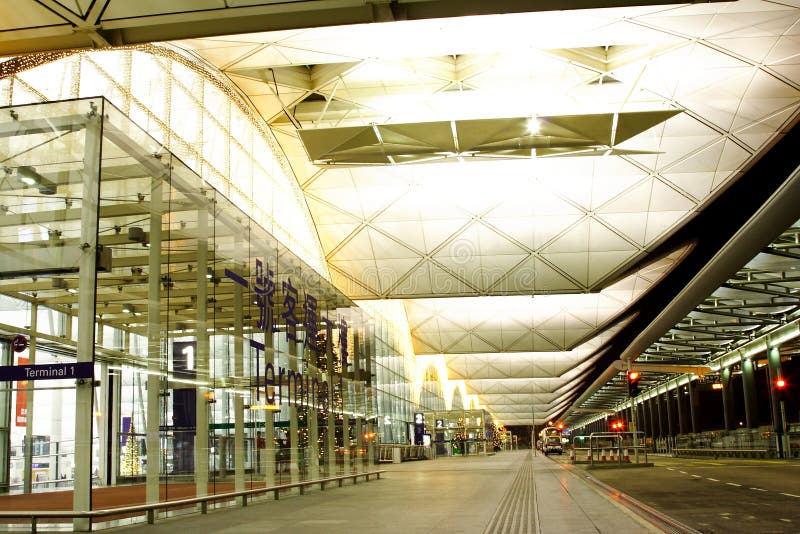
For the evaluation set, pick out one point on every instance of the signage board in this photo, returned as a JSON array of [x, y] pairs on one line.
[[47, 371]]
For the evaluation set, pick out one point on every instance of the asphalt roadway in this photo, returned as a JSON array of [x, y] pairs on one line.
[[714, 495]]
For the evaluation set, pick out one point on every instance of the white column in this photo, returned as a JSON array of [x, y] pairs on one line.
[[27, 477], [268, 453], [330, 442], [87, 278], [238, 372], [312, 418], [201, 436], [155, 366], [294, 434]]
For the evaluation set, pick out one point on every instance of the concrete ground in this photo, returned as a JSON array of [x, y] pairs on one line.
[[509, 492]]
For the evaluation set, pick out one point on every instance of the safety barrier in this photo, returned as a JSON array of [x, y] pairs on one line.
[[151, 509], [611, 448], [726, 453]]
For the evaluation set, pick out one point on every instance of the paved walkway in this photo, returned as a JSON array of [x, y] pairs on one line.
[[510, 492]]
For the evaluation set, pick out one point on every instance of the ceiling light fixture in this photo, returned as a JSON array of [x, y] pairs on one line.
[[534, 125], [30, 177]]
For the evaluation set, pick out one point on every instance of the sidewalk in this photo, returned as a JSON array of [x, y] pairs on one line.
[[508, 492]]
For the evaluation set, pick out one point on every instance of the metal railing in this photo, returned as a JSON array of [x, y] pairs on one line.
[[151, 508]]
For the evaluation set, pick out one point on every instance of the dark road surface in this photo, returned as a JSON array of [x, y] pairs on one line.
[[714, 496]]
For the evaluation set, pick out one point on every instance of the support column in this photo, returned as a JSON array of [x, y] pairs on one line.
[[206, 391], [660, 414], [238, 373], [641, 419], [312, 417], [651, 409], [268, 453], [358, 403], [682, 415], [27, 478], [346, 412], [87, 282], [692, 412], [155, 365], [727, 399], [670, 416], [294, 428], [330, 441], [778, 424], [369, 398], [749, 392]]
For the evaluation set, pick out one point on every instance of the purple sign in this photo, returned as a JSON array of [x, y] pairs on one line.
[[47, 371]]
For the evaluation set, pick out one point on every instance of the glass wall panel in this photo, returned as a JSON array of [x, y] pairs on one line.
[[220, 359]]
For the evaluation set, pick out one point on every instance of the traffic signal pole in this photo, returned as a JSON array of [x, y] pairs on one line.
[[632, 423]]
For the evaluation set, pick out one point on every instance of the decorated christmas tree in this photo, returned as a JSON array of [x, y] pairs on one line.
[[131, 464]]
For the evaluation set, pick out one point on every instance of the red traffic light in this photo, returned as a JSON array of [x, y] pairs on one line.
[[633, 375], [780, 383]]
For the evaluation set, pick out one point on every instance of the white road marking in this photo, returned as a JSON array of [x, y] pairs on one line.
[[791, 495], [697, 476], [712, 479], [786, 520], [733, 484], [670, 469], [758, 489], [684, 472]]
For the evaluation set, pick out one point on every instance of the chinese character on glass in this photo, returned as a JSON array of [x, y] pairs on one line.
[[289, 303], [264, 288], [343, 343], [311, 321]]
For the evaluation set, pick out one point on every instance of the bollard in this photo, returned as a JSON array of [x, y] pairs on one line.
[[572, 455], [625, 456], [603, 455]]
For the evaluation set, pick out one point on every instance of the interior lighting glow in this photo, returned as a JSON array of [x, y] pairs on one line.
[[534, 125]]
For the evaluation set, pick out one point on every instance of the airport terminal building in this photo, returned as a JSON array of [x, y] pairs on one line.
[[253, 244]]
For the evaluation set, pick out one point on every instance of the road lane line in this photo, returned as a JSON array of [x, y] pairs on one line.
[[791, 495], [670, 469], [786, 520], [684, 472], [697, 476], [733, 484], [712, 479], [758, 489]]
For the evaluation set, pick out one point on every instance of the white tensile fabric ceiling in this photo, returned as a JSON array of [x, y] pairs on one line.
[[468, 243]]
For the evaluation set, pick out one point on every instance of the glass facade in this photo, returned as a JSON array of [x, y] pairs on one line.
[[217, 357]]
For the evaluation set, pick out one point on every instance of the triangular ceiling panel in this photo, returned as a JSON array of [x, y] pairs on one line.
[[330, 235], [757, 134], [478, 240], [79, 7], [760, 25], [326, 214], [574, 264], [589, 234], [632, 225], [482, 272], [659, 222], [601, 264], [391, 271]]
